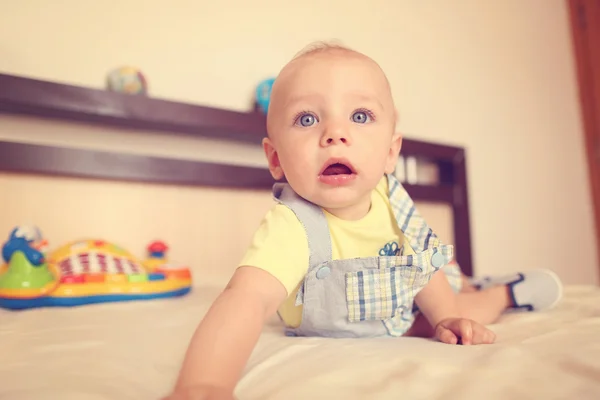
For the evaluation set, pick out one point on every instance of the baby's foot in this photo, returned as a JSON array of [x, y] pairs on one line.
[[534, 290]]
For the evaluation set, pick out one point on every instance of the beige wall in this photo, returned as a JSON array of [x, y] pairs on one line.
[[495, 77]]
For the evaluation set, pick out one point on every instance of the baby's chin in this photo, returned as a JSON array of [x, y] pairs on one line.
[[342, 201]]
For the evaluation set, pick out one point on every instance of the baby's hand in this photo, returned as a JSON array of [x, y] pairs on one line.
[[200, 393], [452, 330]]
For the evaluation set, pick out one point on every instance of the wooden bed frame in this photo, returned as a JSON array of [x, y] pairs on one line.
[[36, 98]]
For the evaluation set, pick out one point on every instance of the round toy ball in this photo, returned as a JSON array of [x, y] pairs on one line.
[[263, 94], [128, 80]]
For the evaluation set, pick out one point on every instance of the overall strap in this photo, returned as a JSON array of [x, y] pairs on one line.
[[410, 222], [312, 219]]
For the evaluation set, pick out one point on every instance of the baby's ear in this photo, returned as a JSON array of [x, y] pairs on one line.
[[395, 147], [273, 159]]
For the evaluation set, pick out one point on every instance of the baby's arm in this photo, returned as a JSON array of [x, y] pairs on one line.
[[439, 304], [224, 340]]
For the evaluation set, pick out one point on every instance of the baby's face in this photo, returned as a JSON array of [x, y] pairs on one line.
[[331, 125]]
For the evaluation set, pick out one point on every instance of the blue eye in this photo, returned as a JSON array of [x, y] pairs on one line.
[[360, 117], [306, 120]]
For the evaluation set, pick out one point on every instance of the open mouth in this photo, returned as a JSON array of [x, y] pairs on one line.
[[335, 167]]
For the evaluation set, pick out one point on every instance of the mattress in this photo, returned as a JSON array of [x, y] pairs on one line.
[[133, 350]]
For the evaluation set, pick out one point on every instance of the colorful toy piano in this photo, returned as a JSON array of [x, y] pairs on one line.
[[83, 272]]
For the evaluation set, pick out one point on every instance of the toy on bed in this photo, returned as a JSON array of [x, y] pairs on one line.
[[83, 272]]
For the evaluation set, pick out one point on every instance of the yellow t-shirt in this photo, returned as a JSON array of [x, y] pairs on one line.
[[280, 245]]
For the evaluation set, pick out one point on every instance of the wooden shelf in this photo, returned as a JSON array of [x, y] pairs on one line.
[[47, 160], [39, 98]]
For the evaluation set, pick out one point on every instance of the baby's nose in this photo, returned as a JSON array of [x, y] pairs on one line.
[[336, 134]]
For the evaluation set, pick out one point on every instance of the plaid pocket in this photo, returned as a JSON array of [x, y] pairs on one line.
[[378, 294]]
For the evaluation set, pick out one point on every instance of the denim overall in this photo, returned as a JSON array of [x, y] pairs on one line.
[[369, 296]]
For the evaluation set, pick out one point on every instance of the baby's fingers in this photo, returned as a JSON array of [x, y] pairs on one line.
[[465, 330], [445, 335], [483, 335]]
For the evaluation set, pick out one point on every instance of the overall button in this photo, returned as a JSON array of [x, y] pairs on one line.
[[323, 272], [437, 260]]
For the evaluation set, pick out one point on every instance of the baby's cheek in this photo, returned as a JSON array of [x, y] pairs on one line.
[[294, 162]]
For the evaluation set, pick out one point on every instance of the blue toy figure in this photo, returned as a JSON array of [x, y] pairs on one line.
[[263, 94], [27, 239]]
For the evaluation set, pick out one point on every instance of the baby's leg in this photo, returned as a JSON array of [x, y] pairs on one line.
[[484, 306], [467, 286], [534, 290]]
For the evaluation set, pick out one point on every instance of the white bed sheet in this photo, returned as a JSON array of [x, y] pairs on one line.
[[134, 350]]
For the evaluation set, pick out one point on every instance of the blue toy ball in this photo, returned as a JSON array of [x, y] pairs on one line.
[[263, 94]]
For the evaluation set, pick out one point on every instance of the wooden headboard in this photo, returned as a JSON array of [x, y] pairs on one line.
[[445, 180]]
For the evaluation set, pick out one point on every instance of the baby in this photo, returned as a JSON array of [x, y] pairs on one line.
[[343, 252]]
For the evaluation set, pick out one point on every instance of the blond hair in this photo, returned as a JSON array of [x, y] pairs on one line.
[[324, 47]]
